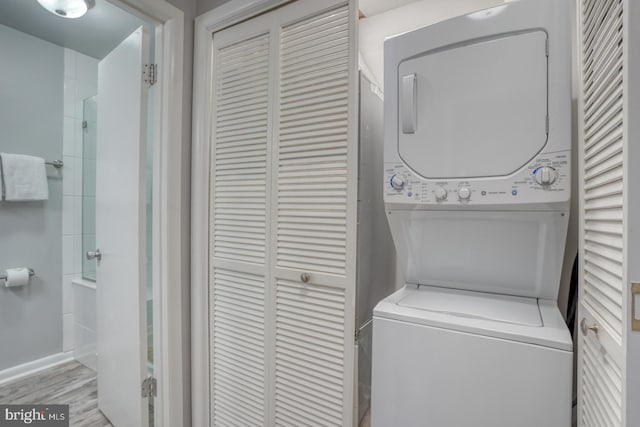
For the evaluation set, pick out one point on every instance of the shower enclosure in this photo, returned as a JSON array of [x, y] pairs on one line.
[[89, 140]]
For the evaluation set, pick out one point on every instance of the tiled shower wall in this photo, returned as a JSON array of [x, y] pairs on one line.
[[80, 82]]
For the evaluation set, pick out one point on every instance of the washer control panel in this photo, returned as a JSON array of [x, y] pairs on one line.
[[545, 180]]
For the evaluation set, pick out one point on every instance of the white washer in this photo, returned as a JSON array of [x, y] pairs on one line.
[[451, 358], [477, 189]]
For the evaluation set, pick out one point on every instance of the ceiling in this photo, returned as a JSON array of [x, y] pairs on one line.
[[373, 7], [95, 34]]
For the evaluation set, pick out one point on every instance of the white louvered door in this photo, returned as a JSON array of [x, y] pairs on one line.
[[239, 206], [314, 216], [283, 218], [607, 347]]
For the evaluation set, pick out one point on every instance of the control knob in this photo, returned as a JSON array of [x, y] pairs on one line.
[[545, 175], [397, 182], [464, 193], [440, 193]]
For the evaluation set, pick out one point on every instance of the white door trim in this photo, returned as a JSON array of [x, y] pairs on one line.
[[167, 270], [206, 24]]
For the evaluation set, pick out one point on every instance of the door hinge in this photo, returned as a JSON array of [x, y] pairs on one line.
[[150, 74], [84, 124], [149, 387]]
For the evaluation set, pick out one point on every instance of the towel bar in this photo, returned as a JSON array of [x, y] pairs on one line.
[[56, 164], [31, 274]]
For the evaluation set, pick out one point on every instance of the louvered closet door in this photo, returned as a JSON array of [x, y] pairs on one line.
[[239, 206], [604, 356], [283, 218], [314, 217]]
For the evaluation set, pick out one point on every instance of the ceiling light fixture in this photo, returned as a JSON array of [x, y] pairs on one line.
[[68, 8]]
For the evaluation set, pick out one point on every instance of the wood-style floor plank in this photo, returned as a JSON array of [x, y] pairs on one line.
[[70, 384]]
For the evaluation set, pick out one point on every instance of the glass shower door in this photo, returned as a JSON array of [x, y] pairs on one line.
[[89, 137]]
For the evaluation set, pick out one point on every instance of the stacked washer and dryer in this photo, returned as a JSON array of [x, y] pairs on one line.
[[477, 166]]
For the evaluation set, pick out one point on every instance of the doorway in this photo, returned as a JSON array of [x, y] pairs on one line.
[[53, 321]]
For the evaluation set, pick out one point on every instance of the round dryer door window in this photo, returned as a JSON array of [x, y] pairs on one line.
[[476, 109]]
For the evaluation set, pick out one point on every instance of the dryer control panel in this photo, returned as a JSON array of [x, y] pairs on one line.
[[546, 179]]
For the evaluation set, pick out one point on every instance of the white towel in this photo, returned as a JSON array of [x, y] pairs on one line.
[[24, 177]]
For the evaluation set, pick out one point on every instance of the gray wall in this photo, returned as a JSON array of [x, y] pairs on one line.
[[31, 90], [203, 6]]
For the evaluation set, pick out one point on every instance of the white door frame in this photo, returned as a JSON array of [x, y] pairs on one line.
[[206, 24], [167, 175]]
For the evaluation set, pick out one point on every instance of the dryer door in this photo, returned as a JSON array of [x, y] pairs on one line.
[[474, 110]]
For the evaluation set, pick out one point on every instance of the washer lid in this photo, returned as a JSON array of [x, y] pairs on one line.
[[507, 317], [477, 109], [475, 305]]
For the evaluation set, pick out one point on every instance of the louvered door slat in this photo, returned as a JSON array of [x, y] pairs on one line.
[[603, 152], [602, 217], [607, 97], [242, 82]]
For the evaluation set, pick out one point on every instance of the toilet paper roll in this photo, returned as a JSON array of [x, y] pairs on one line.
[[17, 277]]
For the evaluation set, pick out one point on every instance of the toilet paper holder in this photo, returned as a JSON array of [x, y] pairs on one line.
[[31, 274]]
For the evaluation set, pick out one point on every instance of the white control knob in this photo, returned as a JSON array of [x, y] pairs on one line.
[[464, 193], [397, 182], [545, 175], [440, 193]]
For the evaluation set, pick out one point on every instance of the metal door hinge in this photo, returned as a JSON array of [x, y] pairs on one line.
[[149, 387], [84, 124], [150, 74]]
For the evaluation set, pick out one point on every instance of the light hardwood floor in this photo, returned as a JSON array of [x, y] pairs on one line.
[[70, 384], [366, 420]]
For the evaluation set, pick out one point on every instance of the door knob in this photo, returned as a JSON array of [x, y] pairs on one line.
[[94, 254], [586, 327]]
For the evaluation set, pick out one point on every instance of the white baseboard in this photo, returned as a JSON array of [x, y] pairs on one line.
[[17, 372]]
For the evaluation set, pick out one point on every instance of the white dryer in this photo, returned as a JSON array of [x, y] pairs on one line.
[[477, 189]]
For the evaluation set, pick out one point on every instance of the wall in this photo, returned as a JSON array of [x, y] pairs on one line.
[[374, 29], [203, 6], [31, 100]]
